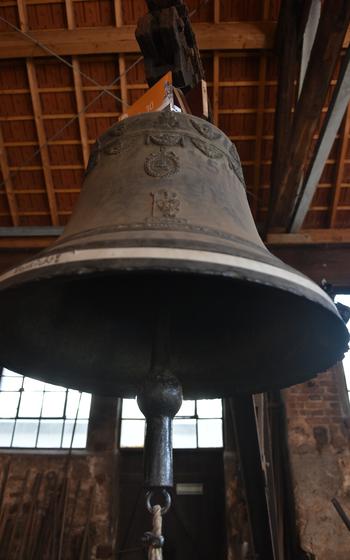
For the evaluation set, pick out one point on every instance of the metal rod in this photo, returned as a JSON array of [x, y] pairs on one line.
[[344, 517]]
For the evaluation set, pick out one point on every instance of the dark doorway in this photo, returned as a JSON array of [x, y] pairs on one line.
[[194, 528]]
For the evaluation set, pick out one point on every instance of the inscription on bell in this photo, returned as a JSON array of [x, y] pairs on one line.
[[162, 164]]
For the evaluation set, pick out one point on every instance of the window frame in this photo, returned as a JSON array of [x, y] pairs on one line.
[[69, 422], [194, 417]]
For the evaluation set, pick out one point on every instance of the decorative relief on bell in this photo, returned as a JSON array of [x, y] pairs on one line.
[[168, 119], [207, 149], [167, 203], [235, 163], [165, 139], [162, 164], [116, 147], [206, 130]]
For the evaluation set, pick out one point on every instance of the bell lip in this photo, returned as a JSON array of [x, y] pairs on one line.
[[114, 260], [90, 269]]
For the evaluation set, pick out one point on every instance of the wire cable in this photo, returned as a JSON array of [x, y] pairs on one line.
[[60, 58]]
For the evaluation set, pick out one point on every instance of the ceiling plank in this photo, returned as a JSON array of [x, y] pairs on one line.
[[340, 165], [210, 36], [335, 114], [259, 123], [334, 21], [6, 174]]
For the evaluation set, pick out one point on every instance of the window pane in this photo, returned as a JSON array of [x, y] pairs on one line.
[[50, 387], [73, 399], [30, 404], [6, 429], [10, 383], [53, 404], [184, 434], [30, 384], [209, 408], [85, 405], [210, 433], [187, 409], [132, 433], [9, 404], [11, 373], [50, 432], [25, 433], [80, 434], [130, 409]]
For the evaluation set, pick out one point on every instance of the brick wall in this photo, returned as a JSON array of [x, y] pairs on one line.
[[61, 505], [318, 439]]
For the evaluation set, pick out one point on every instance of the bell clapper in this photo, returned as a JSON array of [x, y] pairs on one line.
[[159, 399]]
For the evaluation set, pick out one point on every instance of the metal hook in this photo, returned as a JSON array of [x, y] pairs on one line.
[[167, 500]]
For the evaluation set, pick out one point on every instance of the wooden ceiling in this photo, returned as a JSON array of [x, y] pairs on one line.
[[47, 131]]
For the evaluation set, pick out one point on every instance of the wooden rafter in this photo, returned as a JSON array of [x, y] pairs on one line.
[[340, 168], [339, 103], [6, 174], [40, 130], [35, 96], [310, 237], [118, 15], [216, 85], [334, 21], [287, 48], [210, 36], [44, 152], [78, 90]]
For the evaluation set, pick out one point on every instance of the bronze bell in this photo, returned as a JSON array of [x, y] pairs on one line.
[[163, 222]]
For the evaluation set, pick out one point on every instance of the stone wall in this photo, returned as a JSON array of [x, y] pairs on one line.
[[318, 438]]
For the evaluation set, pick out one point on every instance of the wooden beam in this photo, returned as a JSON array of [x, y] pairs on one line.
[[6, 174], [44, 152], [78, 89], [310, 237], [217, 11], [216, 80], [79, 98], [309, 34], [210, 36], [330, 262], [287, 50], [334, 21], [339, 103], [118, 15]]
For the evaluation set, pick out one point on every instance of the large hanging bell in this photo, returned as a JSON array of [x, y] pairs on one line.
[[163, 223]]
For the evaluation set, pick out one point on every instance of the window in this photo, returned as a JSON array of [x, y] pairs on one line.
[[345, 299], [34, 414], [197, 424]]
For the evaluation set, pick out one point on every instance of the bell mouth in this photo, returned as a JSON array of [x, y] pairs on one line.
[[228, 333]]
